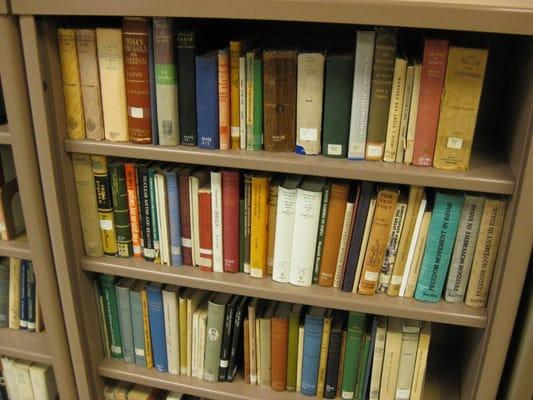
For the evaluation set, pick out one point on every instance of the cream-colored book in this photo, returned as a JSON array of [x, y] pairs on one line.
[[395, 110], [174, 396], [406, 105], [112, 83], [141, 392], [300, 358], [413, 113], [391, 359], [345, 235], [323, 360], [377, 357], [408, 290], [170, 295], [265, 326], [364, 242], [121, 390], [422, 352], [14, 293], [43, 382], [410, 335], [9, 377], [253, 312], [109, 390], [21, 370], [194, 300], [162, 214], [195, 340], [202, 332]]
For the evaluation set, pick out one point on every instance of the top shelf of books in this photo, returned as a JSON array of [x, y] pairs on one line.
[[502, 16]]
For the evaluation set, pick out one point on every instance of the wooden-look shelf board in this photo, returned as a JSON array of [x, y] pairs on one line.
[[18, 247], [5, 134], [486, 173], [25, 345], [243, 284]]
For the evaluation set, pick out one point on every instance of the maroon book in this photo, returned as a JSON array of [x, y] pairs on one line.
[[230, 219], [185, 214]]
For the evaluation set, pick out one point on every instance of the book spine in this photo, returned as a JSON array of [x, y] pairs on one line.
[[410, 336], [213, 342], [146, 220], [224, 106], [249, 60], [157, 327], [322, 364], [216, 221], [206, 231], [284, 234], [391, 359], [241, 234], [355, 330], [105, 204], [259, 225], [247, 220], [137, 324], [135, 40], [324, 206], [406, 105], [170, 313], [311, 354], [413, 116], [102, 319], [152, 86], [124, 316], [207, 101], [258, 105], [395, 111], [234, 54], [23, 296], [332, 370], [422, 352], [364, 244], [174, 207], [246, 350], [292, 350], [236, 349], [264, 359], [271, 237], [225, 347], [230, 220], [280, 332], [186, 48], [154, 215], [120, 209], [31, 295], [242, 103], [111, 313], [300, 358], [411, 277], [343, 245], [253, 344], [130, 172], [363, 365], [4, 295], [377, 358], [185, 220]]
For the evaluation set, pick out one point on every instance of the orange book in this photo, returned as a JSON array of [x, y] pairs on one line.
[[206, 232], [279, 342], [224, 99], [332, 237], [378, 238], [246, 329], [259, 225], [133, 206]]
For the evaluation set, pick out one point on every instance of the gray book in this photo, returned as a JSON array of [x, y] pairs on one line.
[[4, 292], [215, 325], [463, 251], [137, 322], [122, 290]]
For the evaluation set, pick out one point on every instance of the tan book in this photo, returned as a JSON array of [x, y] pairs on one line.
[[488, 239], [183, 329], [413, 114], [109, 391], [364, 243], [344, 243], [265, 324], [391, 359], [14, 293], [141, 392], [71, 83], [422, 352], [341, 363], [113, 83], [43, 382], [121, 390], [258, 347], [90, 83], [377, 240], [299, 364], [420, 246], [8, 373], [194, 299], [21, 369], [254, 308], [406, 105], [272, 216], [410, 335], [377, 357], [323, 361], [202, 332]]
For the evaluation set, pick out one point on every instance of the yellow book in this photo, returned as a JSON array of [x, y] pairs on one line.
[[121, 390], [14, 293], [147, 335], [410, 286], [391, 359], [422, 351], [141, 392], [71, 83], [488, 239], [395, 110], [183, 331], [259, 225], [323, 361], [461, 95], [234, 54]]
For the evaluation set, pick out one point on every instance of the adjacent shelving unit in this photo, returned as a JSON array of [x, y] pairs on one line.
[[480, 336]]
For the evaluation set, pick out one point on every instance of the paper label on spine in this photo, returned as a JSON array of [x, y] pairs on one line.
[[310, 134], [106, 224], [175, 250], [224, 363], [454, 143], [235, 131], [116, 349], [139, 352], [371, 276], [136, 112], [396, 280], [186, 242], [374, 151], [335, 149], [403, 393]]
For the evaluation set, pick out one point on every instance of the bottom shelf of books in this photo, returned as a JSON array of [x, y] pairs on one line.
[[23, 379]]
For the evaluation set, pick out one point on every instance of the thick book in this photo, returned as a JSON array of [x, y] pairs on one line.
[[239, 339], [463, 250], [406, 107], [391, 359], [4, 293], [174, 207], [324, 345], [275, 182], [279, 96], [224, 118], [216, 221], [157, 326], [166, 81], [122, 292], [319, 248], [137, 322], [422, 352], [120, 208], [463, 84], [170, 294], [90, 83], [86, 195], [197, 180], [43, 381], [111, 314], [143, 182], [337, 103], [71, 83], [136, 69], [442, 230], [313, 326], [431, 82], [410, 336], [377, 357], [227, 336], [334, 354], [380, 92], [259, 225], [186, 68], [185, 214], [205, 260], [230, 220], [130, 173], [309, 99], [280, 334], [21, 369], [207, 100], [215, 325], [355, 328], [295, 318]]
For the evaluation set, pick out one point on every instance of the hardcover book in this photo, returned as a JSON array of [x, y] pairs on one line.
[[186, 65], [120, 208], [207, 100], [111, 314], [280, 334], [122, 289], [314, 323], [355, 330], [259, 225], [157, 326], [230, 220], [295, 317], [224, 118]]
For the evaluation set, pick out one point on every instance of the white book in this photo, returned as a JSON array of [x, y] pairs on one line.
[[9, 376], [306, 221], [170, 312], [391, 359], [422, 351], [412, 247], [300, 358], [410, 333], [418, 257], [285, 227], [242, 101], [345, 235], [21, 370], [195, 344], [202, 332], [362, 76], [216, 221], [192, 304], [196, 181], [406, 106], [413, 113], [377, 357], [162, 211], [364, 242], [43, 382]]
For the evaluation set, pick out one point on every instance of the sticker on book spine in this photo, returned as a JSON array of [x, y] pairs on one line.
[[335, 149], [310, 134], [106, 224], [454, 143]]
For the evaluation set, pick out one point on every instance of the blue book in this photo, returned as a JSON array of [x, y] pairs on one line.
[[441, 237], [153, 100], [314, 322], [157, 326], [4, 292], [207, 100], [122, 292], [23, 309], [137, 322], [171, 175]]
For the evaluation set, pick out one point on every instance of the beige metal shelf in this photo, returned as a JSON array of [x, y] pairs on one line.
[[26, 345], [486, 174], [18, 247], [243, 284], [5, 134], [513, 16]]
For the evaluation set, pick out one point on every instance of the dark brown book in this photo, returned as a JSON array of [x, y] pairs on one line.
[[136, 41], [246, 350], [185, 214], [279, 337], [279, 97]]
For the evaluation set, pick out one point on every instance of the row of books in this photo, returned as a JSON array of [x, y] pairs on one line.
[[284, 346], [115, 390], [19, 308], [370, 103], [357, 236], [27, 380]]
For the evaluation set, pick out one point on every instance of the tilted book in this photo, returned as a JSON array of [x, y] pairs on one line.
[[355, 328], [157, 326]]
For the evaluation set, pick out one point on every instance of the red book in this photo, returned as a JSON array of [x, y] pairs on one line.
[[136, 42], [230, 219], [224, 120], [205, 227], [130, 171], [431, 83], [185, 215]]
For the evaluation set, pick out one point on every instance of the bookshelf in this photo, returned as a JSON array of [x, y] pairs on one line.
[[481, 336], [49, 346]]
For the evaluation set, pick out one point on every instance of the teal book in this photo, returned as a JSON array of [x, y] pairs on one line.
[[313, 326], [441, 237], [355, 331], [153, 211], [137, 322], [111, 315], [122, 290], [4, 292]]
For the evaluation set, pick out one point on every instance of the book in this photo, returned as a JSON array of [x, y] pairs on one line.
[[157, 326], [313, 326], [324, 347], [299, 365], [254, 309], [205, 260], [286, 208], [431, 82], [239, 340], [293, 344], [224, 117], [247, 220], [242, 228], [337, 103], [14, 292], [488, 240], [182, 313], [43, 382], [90, 83], [152, 85], [279, 97], [334, 354], [391, 359], [140, 392], [364, 243], [121, 213], [185, 214], [121, 390], [155, 210], [265, 341], [380, 92], [246, 350], [9, 377], [407, 289], [145, 207], [306, 220], [235, 48], [309, 99], [166, 81], [242, 101], [363, 363], [362, 77], [31, 294], [395, 110], [463, 250], [377, 241], [275, 181], [216, 221], [410, 335], [215, 325], [86, 195], [136, 69], [355, 328], [279, 346], [321, 230], [465, 72], [199, 337], [377, 357], [170, 294], [422, 352], [71, 83], [207, 111], [259, 225], [194, 299], [21, 372], [130, 173], [406, 108], [230, 220], [227, 336], [254, 100], [174, 206], [4, 292], [102, 317], [442, 230], [197, 179], [122, 290], [413, 115], [11, 216], [137, 322], [186, 68], [353, 198], [23, 295], [111, 313]]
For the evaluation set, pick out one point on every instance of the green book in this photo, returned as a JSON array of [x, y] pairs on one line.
[[241, 235], [363, 364], [295, 317], [153, 211], [120, 208], [122, 291], [354, 340], [216, 309], [321, 230], [258, 102], [137, 322], [111, 314]]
